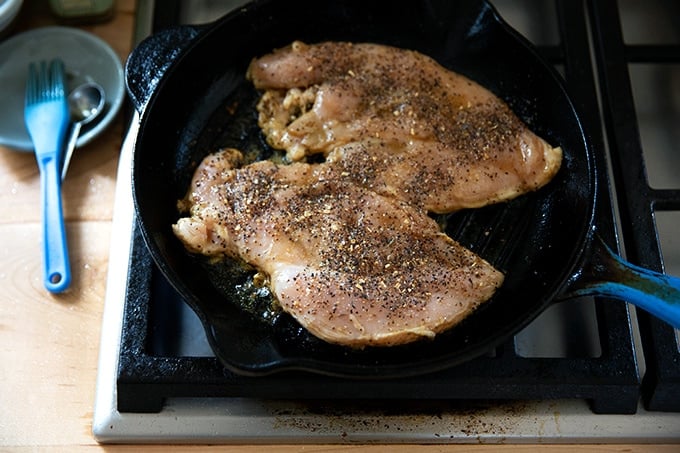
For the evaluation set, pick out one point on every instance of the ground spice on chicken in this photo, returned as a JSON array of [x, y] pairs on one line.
[[345, 242]]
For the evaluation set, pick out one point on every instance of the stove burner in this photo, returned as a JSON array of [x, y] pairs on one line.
[[155, 362]]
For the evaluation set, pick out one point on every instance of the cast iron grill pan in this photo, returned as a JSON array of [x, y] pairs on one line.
[[189, 85]]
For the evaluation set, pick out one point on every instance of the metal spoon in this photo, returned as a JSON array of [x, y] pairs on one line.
[[85, 103]]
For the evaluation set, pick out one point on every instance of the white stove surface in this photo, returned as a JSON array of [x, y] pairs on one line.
[[247, 420]]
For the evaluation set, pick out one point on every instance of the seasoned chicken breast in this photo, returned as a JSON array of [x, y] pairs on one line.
[[344, 241], [432, 177], [352, 266], [421, 127]]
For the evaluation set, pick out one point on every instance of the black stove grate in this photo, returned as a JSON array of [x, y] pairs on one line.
[[638, 201], [609, 379]]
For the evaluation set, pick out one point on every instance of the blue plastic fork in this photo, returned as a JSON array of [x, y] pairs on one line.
[[47, 119]]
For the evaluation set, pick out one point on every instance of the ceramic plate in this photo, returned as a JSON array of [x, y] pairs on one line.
[[86, 57]]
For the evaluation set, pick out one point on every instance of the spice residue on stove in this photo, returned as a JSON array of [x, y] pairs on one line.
[[353, 420]]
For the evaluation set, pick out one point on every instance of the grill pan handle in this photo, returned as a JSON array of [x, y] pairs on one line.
[[152, 57], [607, 274]]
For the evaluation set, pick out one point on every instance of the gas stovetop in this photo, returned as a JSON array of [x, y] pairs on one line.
[[591, 370]]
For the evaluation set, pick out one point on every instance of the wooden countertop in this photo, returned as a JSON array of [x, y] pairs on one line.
[[49, 343]]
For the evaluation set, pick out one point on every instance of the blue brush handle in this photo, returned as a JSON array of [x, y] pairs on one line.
[[609, 275], [57, 271]]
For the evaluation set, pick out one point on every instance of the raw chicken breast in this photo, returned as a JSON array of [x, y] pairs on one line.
[[353, 267], [345, 243], [422, 127]]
